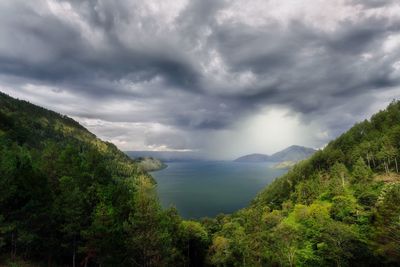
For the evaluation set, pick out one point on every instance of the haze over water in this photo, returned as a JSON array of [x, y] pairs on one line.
[[208, 188]]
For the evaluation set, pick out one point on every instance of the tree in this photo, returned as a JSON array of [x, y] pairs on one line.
[[220, 253], [339, 171], [361, 172], [338, 243], [344, 208], [143, 226], [195, 241], [286, 245], [69, 207], [387, 235]]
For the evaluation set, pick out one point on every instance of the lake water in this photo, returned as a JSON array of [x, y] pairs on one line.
[[199, 189]]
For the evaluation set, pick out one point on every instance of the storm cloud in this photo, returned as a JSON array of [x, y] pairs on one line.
[[197, 75]]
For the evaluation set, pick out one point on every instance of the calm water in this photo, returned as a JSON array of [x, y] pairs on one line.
[[199, 189]]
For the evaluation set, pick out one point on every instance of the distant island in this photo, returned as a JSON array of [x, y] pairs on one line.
[[150, 164], [166, 156], [285, 158]]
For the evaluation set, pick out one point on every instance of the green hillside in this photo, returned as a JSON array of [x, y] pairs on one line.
[[338, 208], [70, 199], [35, 127]]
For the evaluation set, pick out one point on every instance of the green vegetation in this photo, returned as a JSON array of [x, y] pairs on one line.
[[338, 208], [67, 198]]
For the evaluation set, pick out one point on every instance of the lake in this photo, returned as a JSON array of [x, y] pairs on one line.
[[199, 189]]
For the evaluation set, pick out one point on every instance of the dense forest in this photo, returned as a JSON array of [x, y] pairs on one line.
[[338, 208], [70, 199]]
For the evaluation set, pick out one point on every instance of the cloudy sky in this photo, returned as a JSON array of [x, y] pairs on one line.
[[219, 77]]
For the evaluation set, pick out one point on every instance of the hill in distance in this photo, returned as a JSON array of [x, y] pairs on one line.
[[150, 164], [291, 154]]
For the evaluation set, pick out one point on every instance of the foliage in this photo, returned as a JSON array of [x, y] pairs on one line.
[[328, 210], [68, 198]]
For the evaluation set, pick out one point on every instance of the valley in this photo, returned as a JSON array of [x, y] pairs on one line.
[[87, 201]]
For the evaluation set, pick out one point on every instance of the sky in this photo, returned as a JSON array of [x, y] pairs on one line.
[[217, 77]]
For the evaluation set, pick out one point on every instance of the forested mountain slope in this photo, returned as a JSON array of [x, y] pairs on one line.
[[70, 199], [341, 207], [33, 126]]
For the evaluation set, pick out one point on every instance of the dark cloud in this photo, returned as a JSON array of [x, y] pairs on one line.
[[374, 3], [201, 66]]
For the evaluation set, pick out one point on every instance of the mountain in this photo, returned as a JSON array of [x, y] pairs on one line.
[[340, 207], [68, 198], [37, 128], [293, 153]]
